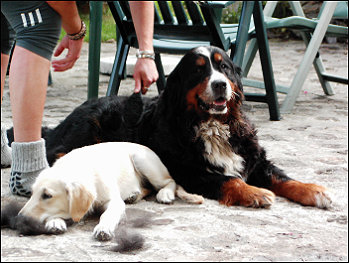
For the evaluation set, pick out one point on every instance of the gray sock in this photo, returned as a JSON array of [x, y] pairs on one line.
[[6, 158], [28, 160]]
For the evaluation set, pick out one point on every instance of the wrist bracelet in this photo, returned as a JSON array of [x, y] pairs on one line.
[[145, 54], [80, 34]]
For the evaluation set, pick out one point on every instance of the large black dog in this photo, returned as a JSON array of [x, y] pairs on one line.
[[197, 128]]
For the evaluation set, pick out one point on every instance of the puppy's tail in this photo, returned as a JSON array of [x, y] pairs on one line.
[[187, 197]]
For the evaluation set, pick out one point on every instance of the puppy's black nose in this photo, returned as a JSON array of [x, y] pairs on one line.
[[219, 87]]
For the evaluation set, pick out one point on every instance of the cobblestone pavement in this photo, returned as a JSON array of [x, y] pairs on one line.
[[310, 144]]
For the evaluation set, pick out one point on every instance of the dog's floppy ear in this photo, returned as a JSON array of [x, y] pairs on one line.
[[174, 92], [238, 76], [80, 200]]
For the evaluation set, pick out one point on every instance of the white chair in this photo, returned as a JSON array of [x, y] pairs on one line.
[[312, 32]]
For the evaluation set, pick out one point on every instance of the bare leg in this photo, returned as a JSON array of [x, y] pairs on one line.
[[28, 85], [6, 158], [4, 62]]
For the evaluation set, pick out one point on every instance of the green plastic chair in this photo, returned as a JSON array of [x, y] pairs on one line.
[[312, 32], [177, 31]]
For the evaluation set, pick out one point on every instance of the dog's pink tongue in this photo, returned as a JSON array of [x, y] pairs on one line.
[[219, 102]]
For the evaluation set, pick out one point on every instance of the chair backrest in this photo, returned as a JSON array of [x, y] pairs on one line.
[[174, 20], [341, 11], [123, 19], [179, 24]]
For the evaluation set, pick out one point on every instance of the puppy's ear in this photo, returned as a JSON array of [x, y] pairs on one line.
[[80, 200]]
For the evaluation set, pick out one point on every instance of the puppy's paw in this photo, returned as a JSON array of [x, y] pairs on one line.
[[165, 196], [56, 226], [187, 197], [103, 233], [133, 198]]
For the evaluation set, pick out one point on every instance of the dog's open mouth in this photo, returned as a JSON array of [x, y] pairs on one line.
[[219, 105]]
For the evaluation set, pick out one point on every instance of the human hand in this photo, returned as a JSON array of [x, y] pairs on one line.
[[74, 48], [145, 74]]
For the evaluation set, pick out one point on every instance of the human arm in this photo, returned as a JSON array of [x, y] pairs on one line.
[[145, 72], [71, 23]]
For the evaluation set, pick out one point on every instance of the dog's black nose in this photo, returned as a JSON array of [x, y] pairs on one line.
[[219, 87]]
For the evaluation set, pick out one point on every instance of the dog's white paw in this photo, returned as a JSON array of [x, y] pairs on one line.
[[165, 196], [56, 226], [323, 199], [103, 233]]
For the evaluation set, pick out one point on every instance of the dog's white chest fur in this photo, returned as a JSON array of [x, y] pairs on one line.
[[218, 150]]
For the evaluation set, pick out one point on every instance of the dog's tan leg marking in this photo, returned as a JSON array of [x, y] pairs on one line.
[[237, 192], [305, 194], [60, 155], [144, 193], [189, 198]]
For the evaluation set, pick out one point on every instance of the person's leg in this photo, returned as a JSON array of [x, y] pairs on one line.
[[4, 62], [37, 27], [6, 158], [7, 39], [28, 85], [6, 152]]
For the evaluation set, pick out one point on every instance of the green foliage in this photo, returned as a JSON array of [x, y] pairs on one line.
[[231, 14]]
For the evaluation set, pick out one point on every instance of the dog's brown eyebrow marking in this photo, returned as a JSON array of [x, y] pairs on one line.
[[200, 61], [217, 57]]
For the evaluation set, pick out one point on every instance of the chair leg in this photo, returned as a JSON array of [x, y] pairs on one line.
[[319, 67], [308, 58], [94, 48], [252, 48], [237, 51], [118, 68], [249, 57], [264, 52], [161, 82]]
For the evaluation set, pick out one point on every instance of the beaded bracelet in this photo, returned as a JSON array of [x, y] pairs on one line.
[[145, 54], [79, 35]]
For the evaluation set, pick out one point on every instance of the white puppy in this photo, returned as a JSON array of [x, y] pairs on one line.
[[100, 176]]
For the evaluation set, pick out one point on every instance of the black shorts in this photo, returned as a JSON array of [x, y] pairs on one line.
[[34, 24]]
